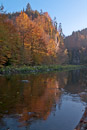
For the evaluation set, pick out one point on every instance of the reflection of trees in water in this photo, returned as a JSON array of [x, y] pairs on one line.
[[73, 77], [39, 99], [40, 96], [30, 101], [77, 81], [74, 82]]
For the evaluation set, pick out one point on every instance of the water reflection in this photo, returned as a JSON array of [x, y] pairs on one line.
[[28, 100]]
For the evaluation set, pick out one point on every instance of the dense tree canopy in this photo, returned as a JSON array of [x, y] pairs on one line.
[[29, 37], [76, 45]]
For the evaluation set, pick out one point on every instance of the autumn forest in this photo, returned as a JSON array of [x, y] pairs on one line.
[[29, 37], [43, 73], [32, 38]]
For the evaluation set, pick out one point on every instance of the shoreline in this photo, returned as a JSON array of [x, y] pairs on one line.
[[82, 125], [38, 69]]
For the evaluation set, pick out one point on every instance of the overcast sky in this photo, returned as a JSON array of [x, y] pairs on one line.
[[71, 13]]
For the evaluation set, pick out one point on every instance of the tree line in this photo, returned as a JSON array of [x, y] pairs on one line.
[[30, 38], [76, 45]]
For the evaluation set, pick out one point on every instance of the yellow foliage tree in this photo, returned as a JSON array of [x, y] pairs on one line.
[[22, 22]]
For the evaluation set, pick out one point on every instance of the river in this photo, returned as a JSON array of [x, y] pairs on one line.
[[50, 101]]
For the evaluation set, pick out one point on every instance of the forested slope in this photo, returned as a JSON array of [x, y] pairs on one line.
[[30, 37], [76, 45]]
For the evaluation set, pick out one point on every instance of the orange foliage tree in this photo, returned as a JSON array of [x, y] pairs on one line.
[[9, 42], [33, 39]]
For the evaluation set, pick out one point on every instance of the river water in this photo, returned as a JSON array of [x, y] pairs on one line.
[[53, 101]]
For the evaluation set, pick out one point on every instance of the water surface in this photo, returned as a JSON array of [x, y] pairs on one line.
[[54, 101]]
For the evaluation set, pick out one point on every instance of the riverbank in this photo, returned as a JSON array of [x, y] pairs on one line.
[[83, 122], [38, 69]]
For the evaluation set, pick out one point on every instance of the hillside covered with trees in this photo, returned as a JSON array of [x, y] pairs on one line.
[[31, 38], [76, 45]]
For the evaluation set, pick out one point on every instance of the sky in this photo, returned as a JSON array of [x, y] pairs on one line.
[[71, 13]]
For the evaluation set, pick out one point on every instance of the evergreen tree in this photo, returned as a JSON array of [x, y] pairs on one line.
[[28, 8]]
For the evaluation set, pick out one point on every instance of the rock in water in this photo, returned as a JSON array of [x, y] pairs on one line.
[[25, 81]]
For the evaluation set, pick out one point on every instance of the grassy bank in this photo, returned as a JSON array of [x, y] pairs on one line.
[[38, 69]]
